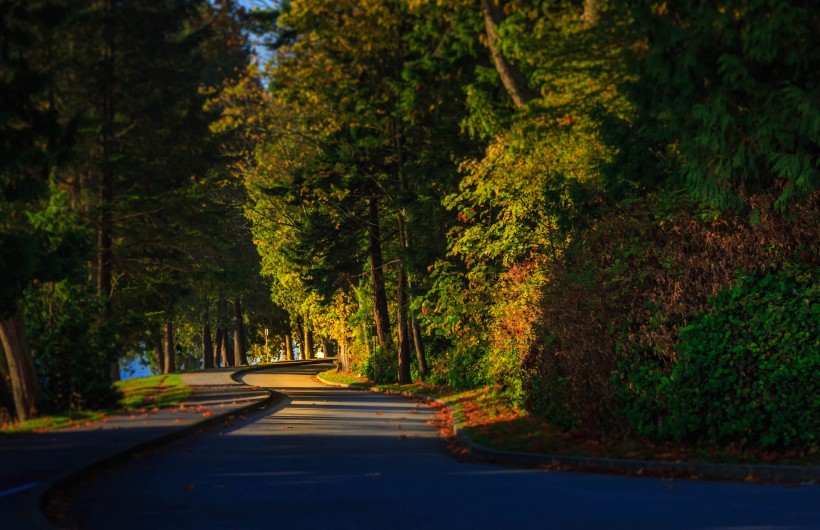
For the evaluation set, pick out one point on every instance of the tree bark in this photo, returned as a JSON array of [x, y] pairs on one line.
[[300, 334], [21, 366], [224, 337], [159, 351], [239, 348], [511, 77], [308, 342], [106, 189], [207, 347], [421, 358], [288, 346], [218, 361], [401, 320], [380, 314], [170, 354]]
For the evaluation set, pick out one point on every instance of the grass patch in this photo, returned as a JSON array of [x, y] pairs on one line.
[[490, 419], [155, 391], [158, 391], [345, 378]]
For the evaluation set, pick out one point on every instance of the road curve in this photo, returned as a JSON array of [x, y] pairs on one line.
[[333, 458]]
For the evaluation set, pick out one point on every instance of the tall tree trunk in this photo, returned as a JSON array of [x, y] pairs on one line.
[[106, 189], [218, 361], [227, 348], [288, 346], [21, 366], [159, 351], [170, 354], [239, 348], [207, 346], [308, 341], [421, 358], [380, 314], [511, 77], [300, 334], [222, 344], [401, 300]]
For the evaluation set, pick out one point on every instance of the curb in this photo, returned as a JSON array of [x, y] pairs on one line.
[[36, 504], [692, 470]]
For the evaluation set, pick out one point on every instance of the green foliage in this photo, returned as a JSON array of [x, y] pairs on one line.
[[746, 370], [382, 366], [729, 91], [71, 347]]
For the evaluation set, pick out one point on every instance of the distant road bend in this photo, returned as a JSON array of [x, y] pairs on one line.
[[329, 458]]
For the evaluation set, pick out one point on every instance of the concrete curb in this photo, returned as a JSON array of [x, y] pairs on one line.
[[696, 470], [37, 503]]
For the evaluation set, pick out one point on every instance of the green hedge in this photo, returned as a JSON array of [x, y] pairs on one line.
[[747, 373]]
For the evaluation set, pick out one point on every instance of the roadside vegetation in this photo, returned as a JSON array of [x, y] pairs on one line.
[[139, 394]]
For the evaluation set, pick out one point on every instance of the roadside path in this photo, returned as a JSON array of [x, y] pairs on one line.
[[331, 458]]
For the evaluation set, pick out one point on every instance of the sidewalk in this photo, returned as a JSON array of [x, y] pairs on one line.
[[30, 464]]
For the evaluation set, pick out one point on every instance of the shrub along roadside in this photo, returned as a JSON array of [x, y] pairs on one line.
[[158, 391], [489, 417], [747, 370]]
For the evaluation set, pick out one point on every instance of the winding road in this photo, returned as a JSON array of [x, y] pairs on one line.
[[334, 458]]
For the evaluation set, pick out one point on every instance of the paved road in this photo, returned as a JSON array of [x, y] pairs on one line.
[[333, 458], [28, 463]]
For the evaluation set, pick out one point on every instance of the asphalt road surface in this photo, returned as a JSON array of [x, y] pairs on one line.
[[328, 458]]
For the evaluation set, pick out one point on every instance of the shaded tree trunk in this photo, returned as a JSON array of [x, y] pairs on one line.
[[511, 77], [308, 342], [380, 314], [421, 358], [22, 374], [300, 329], [106, 188], [239, 348], [159, 351], [170, 354], [207, 347], [401, 320], [218, 361], [224, 337]]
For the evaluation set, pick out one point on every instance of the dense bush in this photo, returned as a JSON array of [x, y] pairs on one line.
[[747, 371], [72, 348]]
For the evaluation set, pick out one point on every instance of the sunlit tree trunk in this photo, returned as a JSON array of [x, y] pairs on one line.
[[23, 377], [288, 346], [511, 77]]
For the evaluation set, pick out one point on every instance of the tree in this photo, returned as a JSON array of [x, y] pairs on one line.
[[726, 97]]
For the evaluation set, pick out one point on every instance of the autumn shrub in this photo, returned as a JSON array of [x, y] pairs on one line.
[[630, 281]]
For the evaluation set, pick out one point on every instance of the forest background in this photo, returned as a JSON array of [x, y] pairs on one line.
[[605, 211]]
